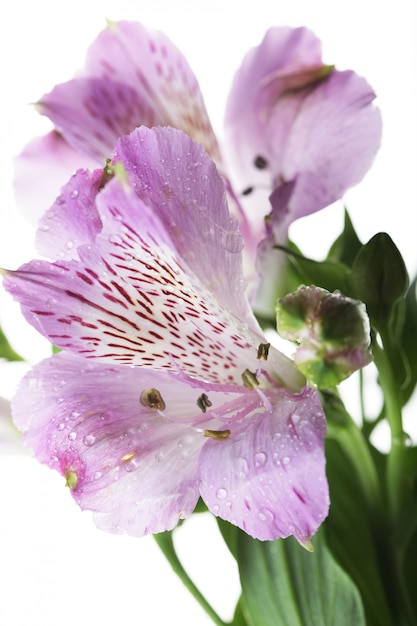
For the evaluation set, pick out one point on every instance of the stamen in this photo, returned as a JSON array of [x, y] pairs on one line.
[[217, 434], [249, 379], [263, 351], [264, 399], [203, 402], [152, 399]]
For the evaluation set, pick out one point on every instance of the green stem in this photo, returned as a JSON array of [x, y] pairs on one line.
[[395, 464], [166, 544]]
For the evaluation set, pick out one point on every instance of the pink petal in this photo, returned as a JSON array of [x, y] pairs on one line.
[[73, 220], [268, 477], [311, 125], [41, 170], [332, 143], [92, 113], [148, 62], [130, 464], [173, 174]]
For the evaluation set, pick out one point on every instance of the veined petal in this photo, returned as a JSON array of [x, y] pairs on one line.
[[73, 220], [92, 113], [311, 124], [173, 174], [268, 477], [124, 460], [148, 62], [50, 159], [332, 144]]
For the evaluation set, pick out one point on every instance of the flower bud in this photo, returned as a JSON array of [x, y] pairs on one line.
[[331, 330]]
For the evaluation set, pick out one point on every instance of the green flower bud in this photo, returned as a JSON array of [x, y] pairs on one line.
[[331, 330]]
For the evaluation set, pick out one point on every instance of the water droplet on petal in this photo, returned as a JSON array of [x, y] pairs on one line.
[[242, 467], [72, 436], [97, 475], [89, 440], [260, 459], [221, 493], [74, 194], [61, 426], [266, 515], [286, 460]]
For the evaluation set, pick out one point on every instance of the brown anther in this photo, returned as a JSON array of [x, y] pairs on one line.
[[203, 402], [217, 434], [263, 351], [249, 379], [152, 399]]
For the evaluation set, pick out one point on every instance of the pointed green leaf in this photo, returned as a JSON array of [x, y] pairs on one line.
[[330, 275], [379, 277], [347, 245], [283, 585]]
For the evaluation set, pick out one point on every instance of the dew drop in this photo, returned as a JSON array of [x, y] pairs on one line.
[[60, 200], [260, 459], [286, 460], [61, 426], [97, 475], [74, 194], [72, 436], [266, 515], [89, 440], [221, 494], [74, 415], [242, 467]]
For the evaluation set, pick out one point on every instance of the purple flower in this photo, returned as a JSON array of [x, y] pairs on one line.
[[296, 128], [165, 389]]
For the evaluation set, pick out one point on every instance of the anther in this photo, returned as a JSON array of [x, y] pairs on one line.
[[203, 402], [249, 379], [152, 399], [263, 351], [217, 434]]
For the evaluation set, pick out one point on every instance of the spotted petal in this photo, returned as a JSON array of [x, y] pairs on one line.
[[148, 62], [132, 297], [268, 477], [125, 461], [310, 124], [92, 113]]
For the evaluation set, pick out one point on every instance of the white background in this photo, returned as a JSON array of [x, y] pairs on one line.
[[55, 567]]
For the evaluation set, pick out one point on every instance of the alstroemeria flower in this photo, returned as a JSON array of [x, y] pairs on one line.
[[165, 389], [309, 126], [298, 131]]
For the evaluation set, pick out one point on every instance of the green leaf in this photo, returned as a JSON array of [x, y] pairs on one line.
[[6, 351], [283, 585], [408, 340], [379, 278], [330, 275], [356, 535], [346, 246]]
